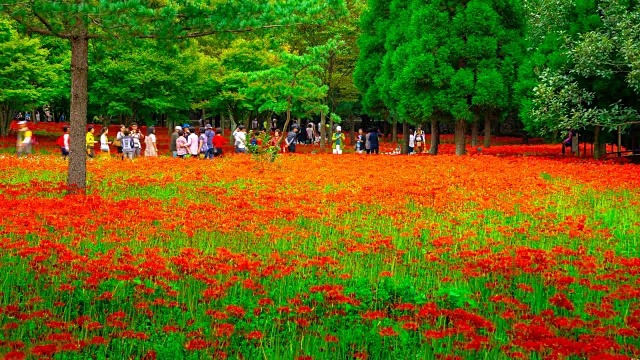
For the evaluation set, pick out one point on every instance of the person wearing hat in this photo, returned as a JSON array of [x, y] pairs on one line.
[[209, 135], [338, 141], [174, 137], [23, 144]]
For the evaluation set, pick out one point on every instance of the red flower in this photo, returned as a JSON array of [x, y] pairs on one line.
[[196, 344], [387, 331], [410, 326], [255, 335]]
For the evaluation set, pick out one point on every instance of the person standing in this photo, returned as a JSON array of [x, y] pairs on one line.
[[37, 117], [254, 124], [209, 134], [218, 142], [23, 144], [419, 140], [374, 144], [118, 140], [338, 141], [151, 147], [203, 148], [240, 140], [193, 144], [412, 142], [181, 145], [311, 133], [104, 142], [360, 142], [137, 139], [91, 142], [62, 118], [291, 139], [174, 137], [128, 145]]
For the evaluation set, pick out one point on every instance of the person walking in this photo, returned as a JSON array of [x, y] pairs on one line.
[[63, 142], [91, 142], [240, 140], [24, 141], [174, 137], [104, 142], [151, 147], [338, 141], [128, 145], [291, 139]]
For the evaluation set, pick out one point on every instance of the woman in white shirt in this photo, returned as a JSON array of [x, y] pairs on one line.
[[240, 137], [193, 144], [104, 142]]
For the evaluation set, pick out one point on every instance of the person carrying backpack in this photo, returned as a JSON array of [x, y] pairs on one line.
[[128, 145]]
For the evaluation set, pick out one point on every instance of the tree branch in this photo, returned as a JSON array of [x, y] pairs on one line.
[[213, 32]]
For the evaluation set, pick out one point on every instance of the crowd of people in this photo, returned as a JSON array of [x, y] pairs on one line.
[[207, 142]]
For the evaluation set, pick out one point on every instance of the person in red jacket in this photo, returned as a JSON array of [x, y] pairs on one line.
[[218, 142]]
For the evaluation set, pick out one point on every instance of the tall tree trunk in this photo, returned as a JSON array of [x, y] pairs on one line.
[[487, 129], [599, 146], [331, 125], [394, 131], [204, 116], [435, 136], [474, 132], [5, 120], [77, 177], [231, 129], [352, 135], [288, 121], [405, 137], [461, 137], [323, 129]]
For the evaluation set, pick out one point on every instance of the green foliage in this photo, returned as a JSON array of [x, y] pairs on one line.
[[582, 67], [27, 76]]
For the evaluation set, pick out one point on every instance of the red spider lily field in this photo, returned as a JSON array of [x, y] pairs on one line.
[[495, 255]]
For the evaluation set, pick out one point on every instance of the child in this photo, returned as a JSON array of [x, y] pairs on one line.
[[91, 141], [338, 141]]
